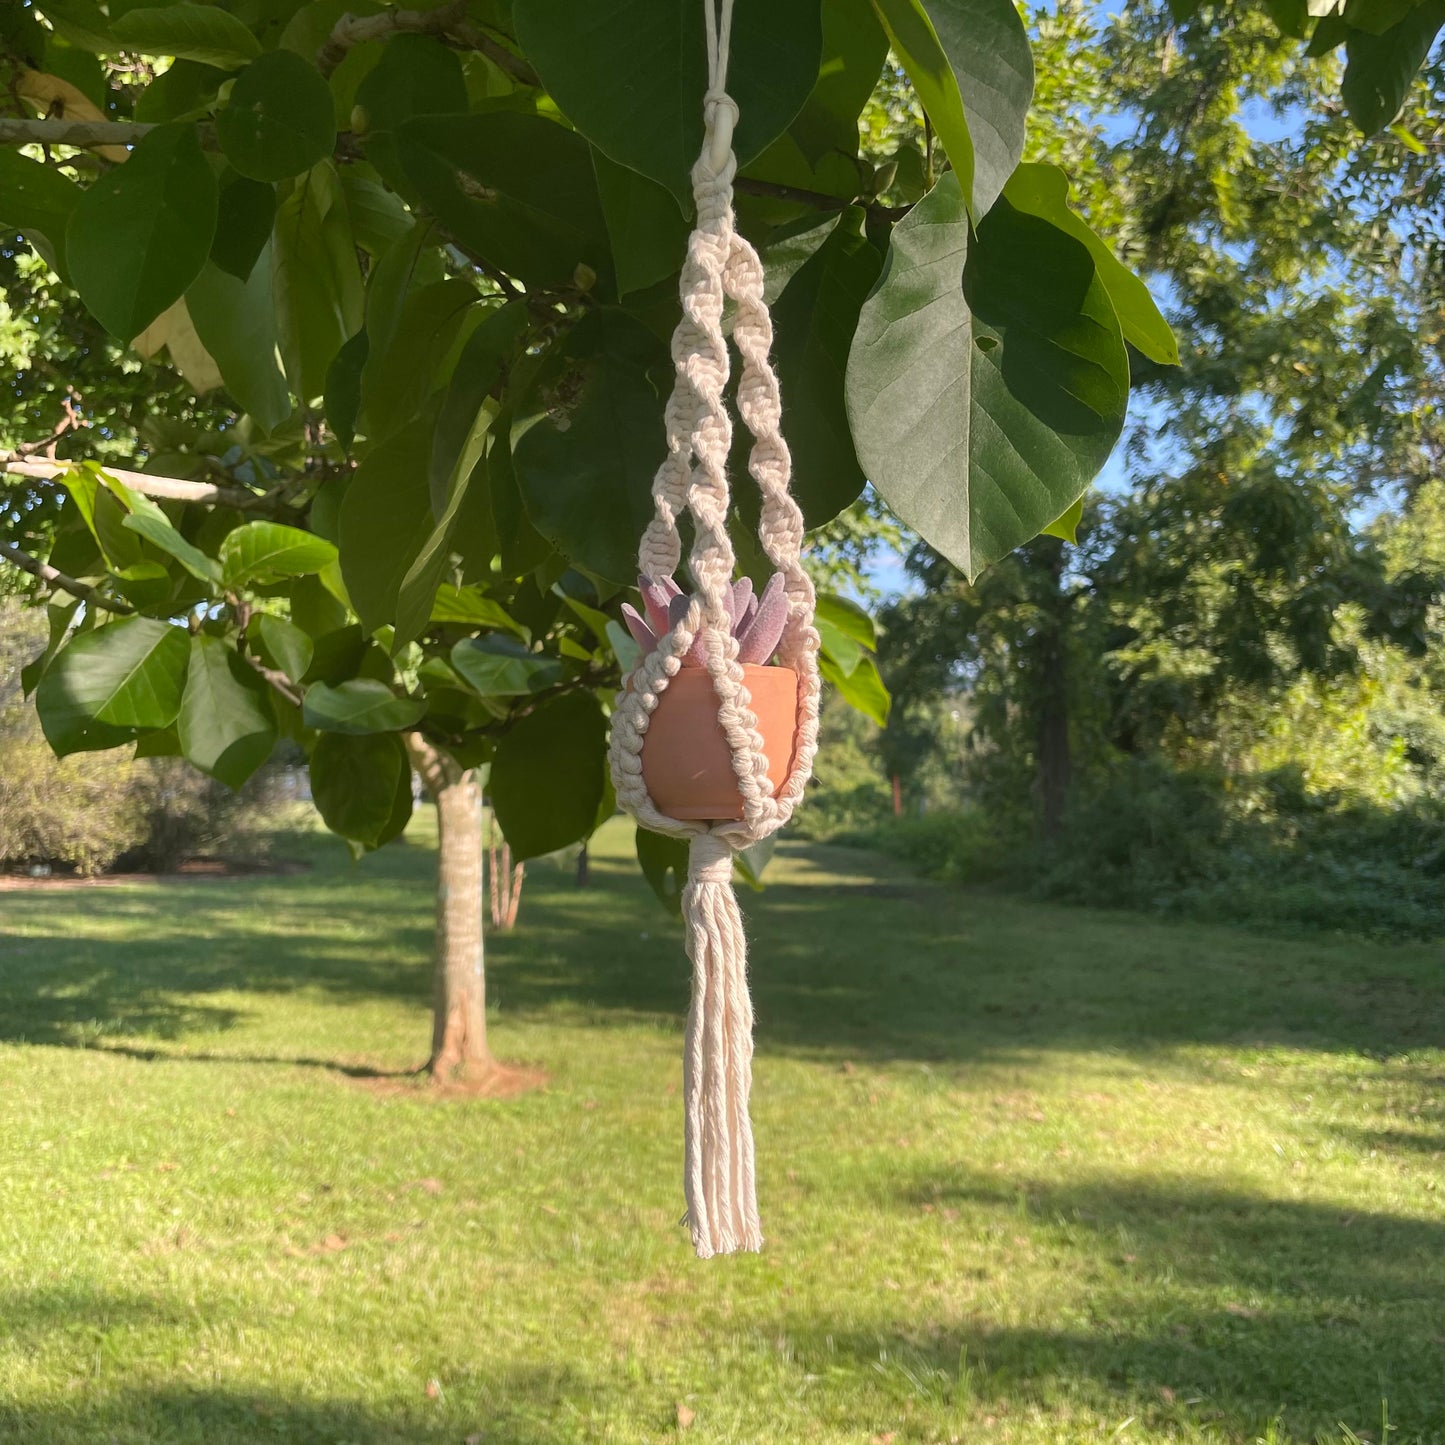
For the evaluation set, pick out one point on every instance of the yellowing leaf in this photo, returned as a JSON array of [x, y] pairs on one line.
[[60, 100], [174, 331]]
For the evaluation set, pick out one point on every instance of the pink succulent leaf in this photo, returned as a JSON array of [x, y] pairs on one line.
[[765, 631], [655, 597], [645, 637], [742, 596], [749, 612]]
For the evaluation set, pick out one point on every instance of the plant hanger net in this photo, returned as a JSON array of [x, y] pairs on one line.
[[719, 1181]]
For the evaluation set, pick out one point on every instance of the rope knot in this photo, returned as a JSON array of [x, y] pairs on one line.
[[719, 118], [709, 859]]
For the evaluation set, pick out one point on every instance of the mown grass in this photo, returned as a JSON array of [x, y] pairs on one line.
[[1029, 1174]]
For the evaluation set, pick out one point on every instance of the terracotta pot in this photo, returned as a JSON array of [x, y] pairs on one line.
[[686, 762]]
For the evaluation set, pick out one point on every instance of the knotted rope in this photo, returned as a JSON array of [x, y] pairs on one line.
[[721, 1194]]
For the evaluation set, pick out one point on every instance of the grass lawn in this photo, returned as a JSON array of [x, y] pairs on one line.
[[1028, 1174]]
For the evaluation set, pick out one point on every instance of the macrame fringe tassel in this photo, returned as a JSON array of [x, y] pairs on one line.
[[717, 1071]]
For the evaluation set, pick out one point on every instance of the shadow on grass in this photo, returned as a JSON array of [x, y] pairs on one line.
[[1210, 1305], [248, 1417], [851, 957]]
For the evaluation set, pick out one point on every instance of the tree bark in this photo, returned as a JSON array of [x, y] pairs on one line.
[[459, 1028]]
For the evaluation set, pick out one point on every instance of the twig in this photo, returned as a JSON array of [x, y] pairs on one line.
[[278, 680], [447, 23], [44, 572], [817, 200]]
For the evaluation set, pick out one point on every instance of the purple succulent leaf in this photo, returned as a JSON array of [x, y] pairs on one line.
[[655, 598], [644, 636], [742, 597], [676, 611], [749, 612], [765, 631]]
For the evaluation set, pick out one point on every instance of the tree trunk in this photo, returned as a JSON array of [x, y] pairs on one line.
[[1055, 759], [459, 1028]]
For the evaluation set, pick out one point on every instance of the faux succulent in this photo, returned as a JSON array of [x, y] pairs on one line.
[[757, 622]]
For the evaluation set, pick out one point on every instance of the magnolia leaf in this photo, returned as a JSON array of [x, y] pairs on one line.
[[105, 685], [226, 726], [500, 667], [664, 865], [260, 553], [601, 63], [188, 32], [362, 786], [1043, 191], [981, 412], [549, 774], [278, 120], [360, 706], [141, 233]]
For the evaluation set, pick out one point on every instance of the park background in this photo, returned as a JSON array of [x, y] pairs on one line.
[[1098, 984]]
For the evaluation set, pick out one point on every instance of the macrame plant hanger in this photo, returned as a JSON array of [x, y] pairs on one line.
[[722, 1210]]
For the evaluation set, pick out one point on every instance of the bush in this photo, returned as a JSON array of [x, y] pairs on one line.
[[95, 811], [1261, 852]]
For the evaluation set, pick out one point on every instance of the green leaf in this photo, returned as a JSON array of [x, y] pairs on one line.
[[1043, 190], [260, 553], [226, 726], [814, 321], [479, 369], [397, 379], [38, 201], [416, 75], [1067, 527], [521, 546], [647, 232], [319, 298], [588, 438], [284, 645], [664, 865], [862, 688], [513, 188], [982, 412], [386, 520], [467, 607], [500, 667], [360, 706], [188, 32], [246, 214], [847, 618], [548, 775], [186, 91], [1380, 69], [105, 685], [151, 523], [855, 47], [631, 74], [341, 400], [918, 46], [140, 235], [362, 786], [278, 121], [236, 323], [750, 862], [81, 22]]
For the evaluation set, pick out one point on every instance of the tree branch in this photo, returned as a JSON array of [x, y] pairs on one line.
[[44, 572], [448, 23], [83, 134], [278, 680], [169, 489]]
